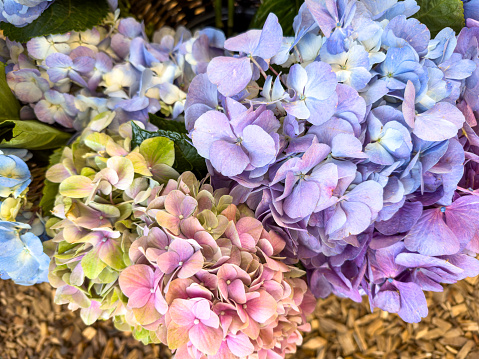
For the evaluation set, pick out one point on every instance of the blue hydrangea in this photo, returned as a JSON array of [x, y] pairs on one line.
[[21, 255], [22, 12], [14, 175]]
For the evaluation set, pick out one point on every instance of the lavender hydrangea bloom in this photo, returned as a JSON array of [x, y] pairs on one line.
[[27, 85], [394, 292], [400, 32], [400, 66], [315, 97], [334, 18], [238, 140], [232, 74], [439, 123], [444, 230], [22, 12], [56, 107], [61, 66], [352, 67], [471, 9]]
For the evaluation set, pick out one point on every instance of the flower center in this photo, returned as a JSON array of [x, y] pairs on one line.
[[239, 140], [222, 313], [196, 321], [443, 209], [228, 282], [302, 97], [152, 290], [390, 75], [104, 239], [180, 263], [245, 306], [181, 216], [390, 280]]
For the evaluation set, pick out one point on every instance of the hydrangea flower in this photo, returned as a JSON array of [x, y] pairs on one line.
[[367, 162], [22, 257], [14, 175], [22, 12], [224, 285]]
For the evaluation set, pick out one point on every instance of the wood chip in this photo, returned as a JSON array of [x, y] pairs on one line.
[[32, 327]]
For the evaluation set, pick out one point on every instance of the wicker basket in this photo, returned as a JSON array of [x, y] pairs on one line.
[[193, 14]]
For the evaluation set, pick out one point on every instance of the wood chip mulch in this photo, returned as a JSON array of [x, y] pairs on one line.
[[32, 327]]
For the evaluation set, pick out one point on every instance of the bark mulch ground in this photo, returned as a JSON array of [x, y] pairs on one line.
[[32, 327]]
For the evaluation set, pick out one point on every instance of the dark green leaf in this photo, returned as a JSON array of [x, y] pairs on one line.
[[438, 14], [9, 106], [168, 125], [61, 17], [50, 189], [285, 10], [186, 156], [32, 135]]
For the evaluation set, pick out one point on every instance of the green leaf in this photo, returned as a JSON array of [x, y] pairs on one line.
[[9, 106], [438, 14], [186, 156], [32, 135], [285, 10], [50, 189], [60, 17], [167, 125]]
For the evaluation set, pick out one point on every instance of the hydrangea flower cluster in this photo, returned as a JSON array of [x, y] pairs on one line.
[[70, 78], [21, 251], [175, 262], [22, 12], [354, 148]]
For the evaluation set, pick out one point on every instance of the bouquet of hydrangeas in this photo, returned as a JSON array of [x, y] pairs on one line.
[[203, 190]]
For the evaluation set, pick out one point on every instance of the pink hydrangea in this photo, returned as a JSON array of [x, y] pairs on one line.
[[208, 281]]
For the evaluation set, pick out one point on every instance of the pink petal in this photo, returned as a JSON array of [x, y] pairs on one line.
[[139, 298], [261, 308], [201, 309], [168, 221], [240, 345], [180, 312], [188, 206], [192, 266], [206, 339], [173, 202], [183, 248], [168, 262], [135, 277], [237, 291]]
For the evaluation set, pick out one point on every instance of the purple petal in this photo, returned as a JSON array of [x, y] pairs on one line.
[[228, 158], [439, 123], [210, 127], [413, 302], [230, 74], [402, 221], [271, 38], [306, 193], [431, 236], [259, 144]]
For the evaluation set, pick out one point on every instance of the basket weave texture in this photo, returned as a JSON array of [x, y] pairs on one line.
[[159, 13]]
